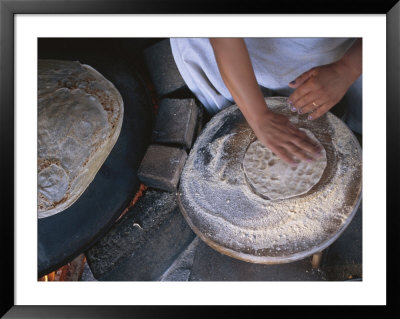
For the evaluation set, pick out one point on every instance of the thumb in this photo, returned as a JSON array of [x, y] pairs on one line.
[[301, 79]]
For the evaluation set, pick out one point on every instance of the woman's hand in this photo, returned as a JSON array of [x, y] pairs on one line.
[[277, 133], [318, 90], [321, 88], [273, 130]]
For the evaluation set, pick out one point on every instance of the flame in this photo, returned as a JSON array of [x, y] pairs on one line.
[[48, 277], [68, 272], [139, 193]]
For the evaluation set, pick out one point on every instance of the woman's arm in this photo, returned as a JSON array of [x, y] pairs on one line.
[[273, 130]]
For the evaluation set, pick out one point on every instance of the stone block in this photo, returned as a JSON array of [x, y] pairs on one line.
[[144, 244], [202, 119], [162, 68], [182, 266], [162, 166], [87, 274], [176, 122]]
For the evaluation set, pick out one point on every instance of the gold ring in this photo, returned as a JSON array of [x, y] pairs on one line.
[[313, 103]]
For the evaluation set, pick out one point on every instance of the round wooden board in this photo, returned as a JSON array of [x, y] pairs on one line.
[[226, 214]]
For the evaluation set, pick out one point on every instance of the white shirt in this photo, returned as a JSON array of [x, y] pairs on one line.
[[276, 62]]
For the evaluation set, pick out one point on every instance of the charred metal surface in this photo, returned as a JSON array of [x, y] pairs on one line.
[[64, 236]]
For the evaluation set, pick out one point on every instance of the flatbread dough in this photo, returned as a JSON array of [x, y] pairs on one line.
[[272, 178], [80, 116]]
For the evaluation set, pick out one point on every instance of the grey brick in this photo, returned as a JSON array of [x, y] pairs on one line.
[[162, 68], [162, 166], [144, 243], [176, 122], [202, 118], [181, 268], [87, 274]]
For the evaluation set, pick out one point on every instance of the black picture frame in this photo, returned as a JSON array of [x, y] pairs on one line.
[[8, 10]]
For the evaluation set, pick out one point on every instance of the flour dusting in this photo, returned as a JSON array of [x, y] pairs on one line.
[[221, 207]]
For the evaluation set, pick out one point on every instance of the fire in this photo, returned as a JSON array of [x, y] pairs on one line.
[[49, 277], [139, 193], [69, 272]]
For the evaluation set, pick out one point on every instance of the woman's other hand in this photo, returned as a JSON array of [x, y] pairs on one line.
[[321, 88]]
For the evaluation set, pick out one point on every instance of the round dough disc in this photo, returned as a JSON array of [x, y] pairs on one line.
[[80, 116], [272, 178]]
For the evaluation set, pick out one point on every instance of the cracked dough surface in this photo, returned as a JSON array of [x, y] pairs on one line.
[[80, 115], [271, 177]]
